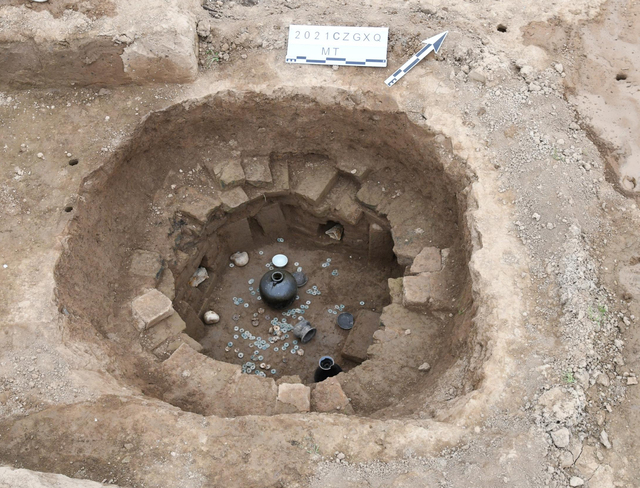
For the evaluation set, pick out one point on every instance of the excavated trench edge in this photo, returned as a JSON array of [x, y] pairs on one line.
[[98, 179]]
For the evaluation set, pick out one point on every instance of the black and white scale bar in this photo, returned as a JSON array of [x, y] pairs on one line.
[[338, 61], [432, 44]]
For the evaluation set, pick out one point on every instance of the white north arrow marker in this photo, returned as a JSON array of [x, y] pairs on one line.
[[432, 44]]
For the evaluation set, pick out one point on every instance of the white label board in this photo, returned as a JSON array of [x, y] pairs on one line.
[[346, 46]]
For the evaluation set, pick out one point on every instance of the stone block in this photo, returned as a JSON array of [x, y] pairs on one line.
[[370, 195], [203, 385], [293, 398], [406, 246], [187, 263], [257, 172], [151, 308], [316, 182], [327, 396], [411, 227], [361, 335], [172, 326], [348, 210], [395, 289], [181, 261], [257, 395], [167, 284], [233, 199], [380, 243], [289, 379], [280, 176], [354, 165], [191, 342], [237, 235], [428, 260], [272, 220], [146, 265], [427, 291], [197, 205], [168, 347], [229, 173], [397, 318]]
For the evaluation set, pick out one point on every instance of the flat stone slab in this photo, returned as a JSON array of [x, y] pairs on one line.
[[151, 308], [281, 183], [348, 210], [191, 342], [257, 171], [427, 291], [370, 195], [197, 205], [209, 387], [408, 242], [172, 326], [361, 335], [316, 182], [146, 267], [412, 228], [233, 199], [167, 284], [289, 379], [279, 186], [395, 289], [293, 398], [327, 396], [428, 260], [355, 166], [229, 173], [167, 348]]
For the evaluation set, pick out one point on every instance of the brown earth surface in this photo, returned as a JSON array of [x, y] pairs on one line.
[[511, 155]]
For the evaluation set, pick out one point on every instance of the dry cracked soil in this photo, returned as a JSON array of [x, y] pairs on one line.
[[486, 207]]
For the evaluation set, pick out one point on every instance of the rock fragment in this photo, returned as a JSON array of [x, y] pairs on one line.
[[204, 28], [561, 437], [210, 317], [239, 258], [604, 439], [201, 274]]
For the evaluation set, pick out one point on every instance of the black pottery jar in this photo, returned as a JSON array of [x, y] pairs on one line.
[[327, 368], [278, 288]]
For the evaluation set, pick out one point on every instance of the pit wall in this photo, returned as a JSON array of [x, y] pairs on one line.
[[87, 299]]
